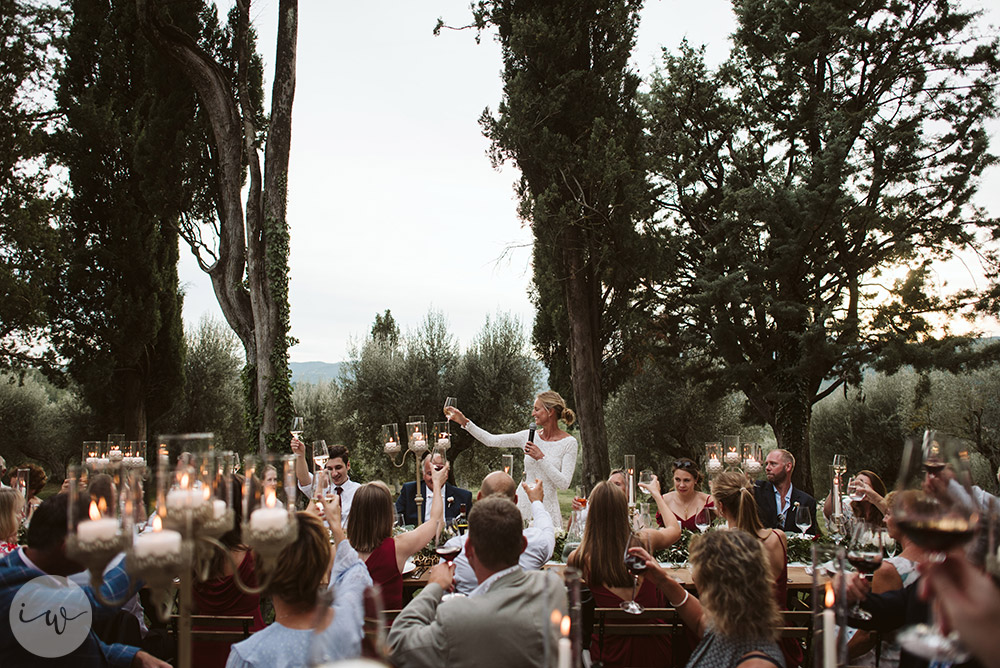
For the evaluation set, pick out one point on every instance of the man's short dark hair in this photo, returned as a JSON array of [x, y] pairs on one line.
[[342, 452], [496, 532], [48, 523]]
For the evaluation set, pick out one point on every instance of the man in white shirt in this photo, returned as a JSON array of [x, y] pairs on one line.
[[337, 467], [540, 537]]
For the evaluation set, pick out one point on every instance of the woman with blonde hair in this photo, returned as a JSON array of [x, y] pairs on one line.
[[11, 505], [735, 615], [549, 456], [601, 559], [734, 501], [369, 530]]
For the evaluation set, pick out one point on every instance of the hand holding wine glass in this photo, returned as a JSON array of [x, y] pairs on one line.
[[636, 565], [450, 404], [864, 552], [298, 426]]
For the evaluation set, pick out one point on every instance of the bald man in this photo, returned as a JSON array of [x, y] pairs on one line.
[[540, 537]]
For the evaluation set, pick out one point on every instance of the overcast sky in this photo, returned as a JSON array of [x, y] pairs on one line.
[[393, 203]]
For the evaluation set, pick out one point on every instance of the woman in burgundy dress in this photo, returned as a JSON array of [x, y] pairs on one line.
[[685, 501], [369, 530], [221, 595], [600, 558]]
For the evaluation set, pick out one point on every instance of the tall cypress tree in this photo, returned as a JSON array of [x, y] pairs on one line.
[[127, 145]]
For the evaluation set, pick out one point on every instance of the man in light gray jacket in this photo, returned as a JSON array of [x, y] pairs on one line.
[[505, 621]]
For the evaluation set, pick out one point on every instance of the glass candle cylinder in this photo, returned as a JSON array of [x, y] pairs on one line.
[[269, 503], [630, 479], [416, 436], [390, 438], [507, 464], [829, 606], [713, 458]]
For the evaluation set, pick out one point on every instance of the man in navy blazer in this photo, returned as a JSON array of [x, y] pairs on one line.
[[776, 497], [454, 497]]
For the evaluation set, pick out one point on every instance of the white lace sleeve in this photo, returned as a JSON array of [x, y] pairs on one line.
[[516, 440], [560, 472]]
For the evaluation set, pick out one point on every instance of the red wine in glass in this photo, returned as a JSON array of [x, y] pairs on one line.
[[635, 564], [866, 562], [448, 553]]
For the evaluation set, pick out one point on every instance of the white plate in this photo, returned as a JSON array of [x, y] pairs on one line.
[[409, 567]]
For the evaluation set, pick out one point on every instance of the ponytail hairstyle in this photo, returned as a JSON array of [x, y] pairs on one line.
[[733, 491], [554, 402]]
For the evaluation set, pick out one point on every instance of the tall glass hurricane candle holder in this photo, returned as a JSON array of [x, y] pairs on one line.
[[630, 479], [507, 464], [829, 606], [269, 523], [731, 450], [135, 455], [390, 439], [95, 455], [416, 437], [94, 532], [442, 437], [713, 458]]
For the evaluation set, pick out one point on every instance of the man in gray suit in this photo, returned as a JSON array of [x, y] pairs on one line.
[[505, 621]]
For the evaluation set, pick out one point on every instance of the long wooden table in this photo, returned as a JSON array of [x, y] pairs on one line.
[[798, 580]]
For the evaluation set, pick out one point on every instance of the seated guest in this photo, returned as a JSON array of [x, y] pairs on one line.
[[36, 482], [293, 584], [504, 622], [871, 508], [600, 558], [45, 553], [895, 573], [455, 497], [776, 497], [338, 467], [540, 536], [735, 615], [11, 505], [735, 502], [220, 593], [685, 501], [370, 533]]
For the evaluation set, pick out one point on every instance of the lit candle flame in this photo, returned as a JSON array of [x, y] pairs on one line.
[[95, 513], [556, 617], [830, 599], [564, 626], [207, 492], [270, 498], [184, 481], [157, 523]]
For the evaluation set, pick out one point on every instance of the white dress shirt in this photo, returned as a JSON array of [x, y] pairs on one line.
[[346, 496], [541, 541]]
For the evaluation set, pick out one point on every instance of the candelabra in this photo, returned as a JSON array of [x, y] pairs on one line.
[[730, 456], [416, 440], [193, 508]]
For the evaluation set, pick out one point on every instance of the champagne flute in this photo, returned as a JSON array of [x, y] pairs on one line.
[[803, 518], [703, 520], [939, 521], [449, 402], [864, 552], [298, 426], [636, 566]]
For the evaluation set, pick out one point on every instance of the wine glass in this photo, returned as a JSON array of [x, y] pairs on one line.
[[854, 490], [864, 552], [803, 518], [636, 565], [449, 402], [703, 520], [321, 453], [939, 521], [298, 426], [646, 477]]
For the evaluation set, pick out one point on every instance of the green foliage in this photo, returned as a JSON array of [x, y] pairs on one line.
[[41, 422], [126, 145], [836, 142], [29, 31], [213, 391]]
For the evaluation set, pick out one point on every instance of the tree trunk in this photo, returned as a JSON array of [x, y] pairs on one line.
[[583, 307], [792, 415], [129, 384], [256, 244]]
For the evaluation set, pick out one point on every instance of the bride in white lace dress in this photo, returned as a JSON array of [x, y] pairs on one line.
[[550, 457]]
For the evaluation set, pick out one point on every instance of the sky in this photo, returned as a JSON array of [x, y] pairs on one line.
[[393, 202]]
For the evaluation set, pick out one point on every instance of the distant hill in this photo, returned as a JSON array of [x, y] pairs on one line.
[[314, 372]]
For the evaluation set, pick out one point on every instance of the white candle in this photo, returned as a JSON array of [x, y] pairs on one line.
[[115, 455], [444, 442], [98, 463], [829, 631], [264, 519], [219, 508], [133, 462], [179, 499], [565, 646], [837, 509], [93, 530], [164, 542], [631, 487]]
